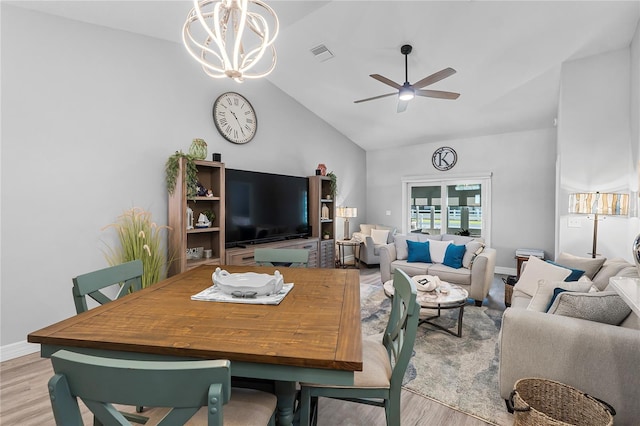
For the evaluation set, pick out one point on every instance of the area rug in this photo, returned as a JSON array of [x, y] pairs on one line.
[[461, 373]]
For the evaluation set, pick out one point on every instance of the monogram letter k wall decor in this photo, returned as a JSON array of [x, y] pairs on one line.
[[444, 158]]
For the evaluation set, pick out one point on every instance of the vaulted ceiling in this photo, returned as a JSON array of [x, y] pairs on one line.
[[508, 57]]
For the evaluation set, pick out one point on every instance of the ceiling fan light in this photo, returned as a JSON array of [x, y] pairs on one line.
[[406, 94]]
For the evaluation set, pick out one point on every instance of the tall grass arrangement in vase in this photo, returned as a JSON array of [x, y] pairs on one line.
[[140, 238]]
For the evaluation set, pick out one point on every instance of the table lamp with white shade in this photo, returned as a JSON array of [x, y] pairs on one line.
[[346, 213]]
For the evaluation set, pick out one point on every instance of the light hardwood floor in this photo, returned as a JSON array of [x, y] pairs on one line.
[[24, 402]]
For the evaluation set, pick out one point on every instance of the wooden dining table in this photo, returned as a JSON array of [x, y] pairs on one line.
[[313, 335]]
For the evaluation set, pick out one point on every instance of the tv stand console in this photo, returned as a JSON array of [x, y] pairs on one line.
[[244, 255]]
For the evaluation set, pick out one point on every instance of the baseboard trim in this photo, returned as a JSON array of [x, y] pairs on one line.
[[16, 350]]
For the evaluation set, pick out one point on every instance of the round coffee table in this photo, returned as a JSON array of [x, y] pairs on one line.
[[446, 296]]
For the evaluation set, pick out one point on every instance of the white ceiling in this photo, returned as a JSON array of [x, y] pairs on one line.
[[508, 57]]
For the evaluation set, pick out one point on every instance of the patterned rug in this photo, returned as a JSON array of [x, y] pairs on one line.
[[461, 373]]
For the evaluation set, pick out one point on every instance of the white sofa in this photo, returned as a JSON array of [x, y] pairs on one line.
[[568, 345], [475, 275], [372, 238]]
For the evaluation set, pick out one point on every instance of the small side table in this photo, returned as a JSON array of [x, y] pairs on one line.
[[355, 245]]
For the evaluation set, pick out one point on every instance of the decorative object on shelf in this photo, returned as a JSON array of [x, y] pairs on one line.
[[195, 253], [203, 221], [172, 167], [334, 184], [235, 118], [189, 218], [248, 284], [210, 215], [198, 149], [231, 39], [598, 204], [324, 213], [346, 213], [208, 254], [322, 168], [444, 158], [326, 235], [139, 238], [217, 157]]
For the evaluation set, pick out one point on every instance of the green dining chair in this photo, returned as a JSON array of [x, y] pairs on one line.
[[128, 275], [294, 258], [384, 363], [183, 386]]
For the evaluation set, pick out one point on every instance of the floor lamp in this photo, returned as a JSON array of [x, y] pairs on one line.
[[346, 213], [598, 204]]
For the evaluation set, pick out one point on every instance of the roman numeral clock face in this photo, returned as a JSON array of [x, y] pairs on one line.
[[235, 118]]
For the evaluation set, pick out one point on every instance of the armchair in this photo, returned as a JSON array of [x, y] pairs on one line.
[[372, 238]]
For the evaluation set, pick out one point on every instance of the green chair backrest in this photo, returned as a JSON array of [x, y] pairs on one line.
[[99, 382], [128, 275], [400, 334], [295, 258]]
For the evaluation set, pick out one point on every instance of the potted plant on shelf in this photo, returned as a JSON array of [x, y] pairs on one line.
[[333, 187], [326, 235], [172, 167]]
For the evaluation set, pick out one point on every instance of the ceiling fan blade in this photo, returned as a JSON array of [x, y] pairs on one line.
[[402, 106], [386, 81], [375, 97], [434, 78], [437, 94]]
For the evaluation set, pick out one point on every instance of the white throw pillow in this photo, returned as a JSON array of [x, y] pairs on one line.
[[402, 250], [537, 270], [379, 236], [366, 229], [541, 299], [437, 250]]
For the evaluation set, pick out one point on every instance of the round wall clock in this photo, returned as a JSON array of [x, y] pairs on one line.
[[235, 118], [444, 158]]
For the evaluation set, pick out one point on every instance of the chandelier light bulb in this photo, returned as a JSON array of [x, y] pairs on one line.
[[229, 40]]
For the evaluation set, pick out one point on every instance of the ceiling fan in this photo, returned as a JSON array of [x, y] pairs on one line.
[[408, 91]]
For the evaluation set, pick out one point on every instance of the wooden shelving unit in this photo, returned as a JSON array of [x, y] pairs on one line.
[[212, 176], [319, 196]]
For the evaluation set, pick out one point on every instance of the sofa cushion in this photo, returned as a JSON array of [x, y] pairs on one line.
[[589, 265], [538, 270], [438, 250], [575, 273], [412, 269], [544, 294], [604, 306], [379, 236], [392, 232], [366, 228], [453, 256], [418, 252], [400, 241], [613, 268], [473, 248], [461, 276], [460, 239]]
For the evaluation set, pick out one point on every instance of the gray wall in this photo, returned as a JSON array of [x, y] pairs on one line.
[[90, 116], [596, 148], [523, 181]]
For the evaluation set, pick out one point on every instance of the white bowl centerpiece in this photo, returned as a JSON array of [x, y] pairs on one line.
[[248, 284]]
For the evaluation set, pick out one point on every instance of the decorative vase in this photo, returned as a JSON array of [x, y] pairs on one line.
[[635, 250], [198, 149]]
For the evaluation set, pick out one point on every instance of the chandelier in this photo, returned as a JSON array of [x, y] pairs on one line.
[[229, 40]]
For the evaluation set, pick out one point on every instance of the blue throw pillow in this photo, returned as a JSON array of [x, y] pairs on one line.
[[418, 252], [556, 292], [453, 256], [573, 276]]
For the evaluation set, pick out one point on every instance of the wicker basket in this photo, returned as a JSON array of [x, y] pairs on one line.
[[542, 402]]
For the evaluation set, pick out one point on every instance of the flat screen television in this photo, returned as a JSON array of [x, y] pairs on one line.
[[264, 207]]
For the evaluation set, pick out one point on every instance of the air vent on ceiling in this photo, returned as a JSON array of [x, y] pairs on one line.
[[322, 53]]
